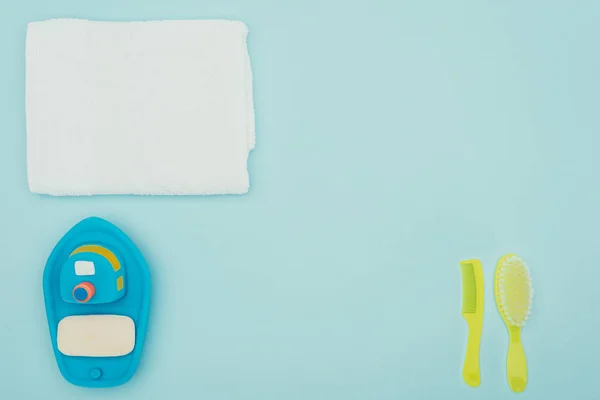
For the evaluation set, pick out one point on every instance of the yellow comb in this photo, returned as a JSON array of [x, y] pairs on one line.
[[514, 295], [472, 311]]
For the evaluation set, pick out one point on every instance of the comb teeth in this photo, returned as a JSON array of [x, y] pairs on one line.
[[515, 292], [469, 290]]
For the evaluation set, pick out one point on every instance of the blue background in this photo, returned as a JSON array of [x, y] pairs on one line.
[[394, 138]]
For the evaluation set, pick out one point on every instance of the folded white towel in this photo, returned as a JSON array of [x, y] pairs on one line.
[[151, 108]]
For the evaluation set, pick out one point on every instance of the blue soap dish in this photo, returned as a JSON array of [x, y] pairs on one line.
[[97, 297]]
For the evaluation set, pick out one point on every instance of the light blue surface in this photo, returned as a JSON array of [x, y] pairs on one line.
[[92, 371], [394, 138]]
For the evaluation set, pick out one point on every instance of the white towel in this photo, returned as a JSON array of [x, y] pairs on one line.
[[149, 108]]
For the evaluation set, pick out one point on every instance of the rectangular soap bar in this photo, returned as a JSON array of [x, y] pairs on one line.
[[96, 335]]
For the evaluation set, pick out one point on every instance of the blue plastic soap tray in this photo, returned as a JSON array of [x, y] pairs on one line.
[[96, 274]]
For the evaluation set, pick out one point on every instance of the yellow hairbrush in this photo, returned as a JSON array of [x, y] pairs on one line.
[[472, 311], [514, 294]]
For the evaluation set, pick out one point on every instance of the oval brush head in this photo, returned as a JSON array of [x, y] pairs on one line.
[[514, 294]]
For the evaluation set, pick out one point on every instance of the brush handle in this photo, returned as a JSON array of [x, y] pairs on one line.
[[471, 372], [516, 363]]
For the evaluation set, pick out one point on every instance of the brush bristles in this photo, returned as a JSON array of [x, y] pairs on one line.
[[469, 304], [515, 292]]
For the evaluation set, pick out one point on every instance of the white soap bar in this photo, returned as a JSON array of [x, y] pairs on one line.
[[96, 335]]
